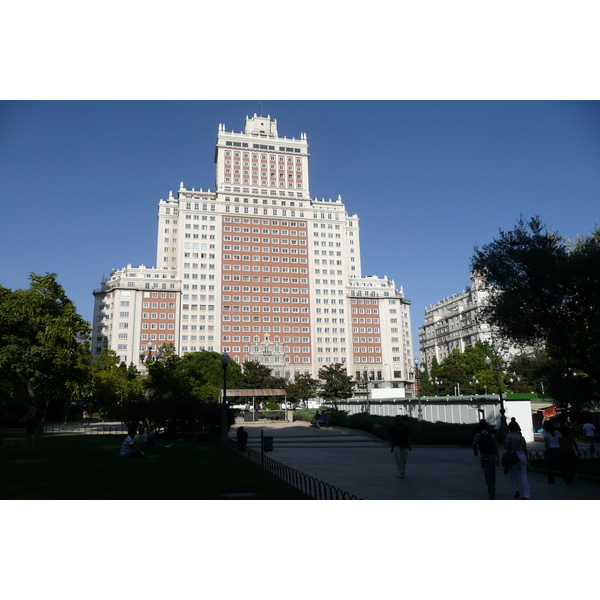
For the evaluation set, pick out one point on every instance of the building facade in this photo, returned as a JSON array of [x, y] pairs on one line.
[[258, 269], [453, 323]]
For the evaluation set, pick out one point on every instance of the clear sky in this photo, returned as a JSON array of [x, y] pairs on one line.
[[80, 180]]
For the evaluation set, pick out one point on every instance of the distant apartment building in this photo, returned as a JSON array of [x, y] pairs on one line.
[[258, 269], [453, 323]]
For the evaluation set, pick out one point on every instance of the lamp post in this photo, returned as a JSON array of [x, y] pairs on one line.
[[498, 367], [150, 346], [437, 382], [515, 382], [366, 384], [418, 372], [224, 421], [474, 382]]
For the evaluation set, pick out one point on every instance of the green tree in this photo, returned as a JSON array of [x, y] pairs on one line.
[[435, 367], [425, 386], [337, 384], [44, 343], [114, 381], [256, 376], [545, 290], [208, 365], [196, 375], [303, 389]]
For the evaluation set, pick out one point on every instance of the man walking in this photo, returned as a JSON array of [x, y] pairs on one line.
[[400, 435], [590, 434], [484, 444]]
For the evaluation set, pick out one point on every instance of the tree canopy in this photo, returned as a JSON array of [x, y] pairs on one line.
[[545, 290], [303, 389], [44, 343], [256, 376], [337, 384]]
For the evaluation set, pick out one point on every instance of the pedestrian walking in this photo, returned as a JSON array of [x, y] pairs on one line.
[[553, 454], [515, 442], [32, 419], [242, 438], [485, 445], [400, 435], [567, 454], [513, 422], [590, 434]]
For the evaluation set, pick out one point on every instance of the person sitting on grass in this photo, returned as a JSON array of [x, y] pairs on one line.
[[5, 444], [129, 449], [151, 440], [141, 439]]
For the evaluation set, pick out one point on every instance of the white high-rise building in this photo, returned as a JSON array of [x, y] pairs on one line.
[[258, 269]]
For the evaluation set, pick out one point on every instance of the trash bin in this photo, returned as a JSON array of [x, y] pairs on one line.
[[268, 443]]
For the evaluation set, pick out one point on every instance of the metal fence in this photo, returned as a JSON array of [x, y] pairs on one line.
[[57, 428], [540, 454], [311, 486]]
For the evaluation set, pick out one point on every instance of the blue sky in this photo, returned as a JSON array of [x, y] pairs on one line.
[[80, 180]]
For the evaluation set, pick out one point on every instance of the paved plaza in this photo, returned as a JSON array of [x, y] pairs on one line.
[[362, 465]]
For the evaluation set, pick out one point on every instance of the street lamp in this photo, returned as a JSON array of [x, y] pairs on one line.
[[150, 346], [366, 384], [437, 382], [474, 382], [224, 421], [516, 383], [418, 372], [488, 361]]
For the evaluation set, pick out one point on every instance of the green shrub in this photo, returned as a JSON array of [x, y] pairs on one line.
[[304, 414], [421, 432]]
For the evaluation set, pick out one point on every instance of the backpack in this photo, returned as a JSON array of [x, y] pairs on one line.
[[486, 443]]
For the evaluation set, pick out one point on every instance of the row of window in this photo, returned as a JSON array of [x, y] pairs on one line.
[[272, 223], [265, 319], [274, 299], [275, 259]]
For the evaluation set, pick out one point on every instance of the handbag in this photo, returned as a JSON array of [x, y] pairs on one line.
[[508, 460]]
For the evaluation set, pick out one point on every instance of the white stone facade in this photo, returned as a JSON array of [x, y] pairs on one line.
[[260, 270], [453, 323]]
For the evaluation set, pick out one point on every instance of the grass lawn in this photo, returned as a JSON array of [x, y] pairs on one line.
[[88, 467]]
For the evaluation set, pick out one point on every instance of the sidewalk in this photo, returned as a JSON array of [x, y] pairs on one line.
[[360, 464]]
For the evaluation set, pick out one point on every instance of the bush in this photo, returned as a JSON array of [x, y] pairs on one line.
[[174, 416], [421, 432], [304, 414]]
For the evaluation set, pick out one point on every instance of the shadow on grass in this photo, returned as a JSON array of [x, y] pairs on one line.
[[78, 467]]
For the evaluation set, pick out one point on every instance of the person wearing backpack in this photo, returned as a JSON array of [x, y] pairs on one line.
[[486, 447], [515, 442]]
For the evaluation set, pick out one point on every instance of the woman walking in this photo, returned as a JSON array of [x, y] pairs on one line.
[[515, 442], [553, 457]]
